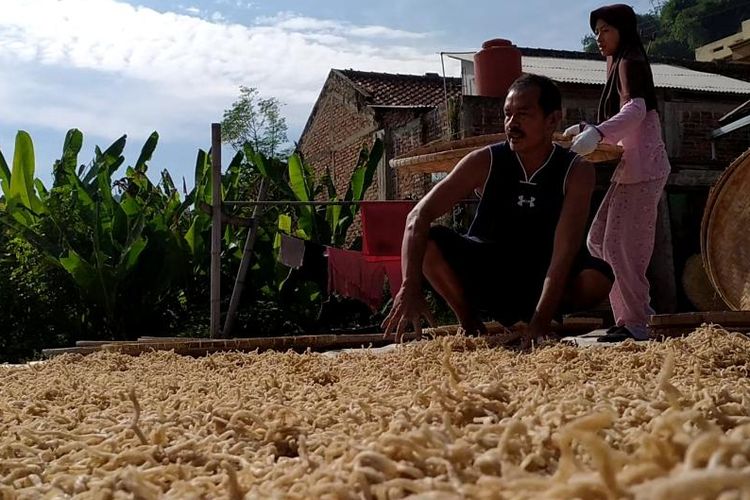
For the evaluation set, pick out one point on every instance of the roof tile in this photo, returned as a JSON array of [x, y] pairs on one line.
[[387, 89]]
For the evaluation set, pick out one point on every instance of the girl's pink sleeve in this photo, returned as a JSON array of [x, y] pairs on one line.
[[631, 115]]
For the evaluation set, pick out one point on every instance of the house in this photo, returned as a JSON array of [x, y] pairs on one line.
[[408, 111], [355, 107], [735, 47]]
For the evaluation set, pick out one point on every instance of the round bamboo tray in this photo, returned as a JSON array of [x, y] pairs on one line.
[[713, 193], [726, 235], [443, 156], [698, 287]]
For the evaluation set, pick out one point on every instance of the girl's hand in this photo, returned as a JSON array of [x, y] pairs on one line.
[[586, 142], [574, 130]]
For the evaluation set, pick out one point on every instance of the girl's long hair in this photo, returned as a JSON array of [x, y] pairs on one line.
[[623, 18]]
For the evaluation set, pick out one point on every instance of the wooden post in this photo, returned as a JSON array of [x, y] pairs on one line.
[[216, 231], [247, 254], [661, 270]]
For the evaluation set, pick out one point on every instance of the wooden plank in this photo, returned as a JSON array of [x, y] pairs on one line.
[[581, 324], [94, 343], [661, 268], [693, 178], [69, 350], [300, 342], [696, 319]]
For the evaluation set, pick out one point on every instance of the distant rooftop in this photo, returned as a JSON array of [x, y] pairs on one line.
[[593, 71]]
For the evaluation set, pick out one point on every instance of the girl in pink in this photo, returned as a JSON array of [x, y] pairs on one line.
[[624, 228]]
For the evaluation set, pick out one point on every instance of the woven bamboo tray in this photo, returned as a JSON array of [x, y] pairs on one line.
[[713, 193], [726, 235], [698, 287], [443, 156]]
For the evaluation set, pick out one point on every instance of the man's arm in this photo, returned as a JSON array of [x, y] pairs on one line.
[[568, 239], [409, 305]]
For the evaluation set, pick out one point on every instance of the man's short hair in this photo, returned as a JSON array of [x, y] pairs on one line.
[[550, 99]]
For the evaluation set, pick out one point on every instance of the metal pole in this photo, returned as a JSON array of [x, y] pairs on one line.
[[314, 203], [215, 231]]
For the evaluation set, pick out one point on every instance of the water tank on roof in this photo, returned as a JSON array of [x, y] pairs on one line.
[[496, 67]]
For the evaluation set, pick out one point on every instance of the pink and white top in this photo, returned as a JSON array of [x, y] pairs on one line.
[[638, 131]]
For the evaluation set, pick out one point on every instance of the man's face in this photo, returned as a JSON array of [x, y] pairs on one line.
[[525, 124]]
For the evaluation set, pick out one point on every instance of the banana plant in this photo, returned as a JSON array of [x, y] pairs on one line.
[[327, 225], [123, 251]]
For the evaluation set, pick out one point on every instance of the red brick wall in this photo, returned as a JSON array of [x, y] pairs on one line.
[[431, 126], [481, 115], [341, 123]]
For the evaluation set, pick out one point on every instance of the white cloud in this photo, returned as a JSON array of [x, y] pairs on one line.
[[136, 68], [292, 22], [192, 10]]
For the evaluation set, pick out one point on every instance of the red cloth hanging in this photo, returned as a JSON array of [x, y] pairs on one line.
[[361, 275], [383, 226]]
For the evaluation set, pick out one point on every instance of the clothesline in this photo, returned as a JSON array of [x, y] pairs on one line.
[[319, 203]]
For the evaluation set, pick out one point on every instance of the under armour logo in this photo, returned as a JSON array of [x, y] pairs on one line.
[[523, 201]]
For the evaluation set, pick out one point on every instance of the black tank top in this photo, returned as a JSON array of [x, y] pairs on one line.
[[519, 213]]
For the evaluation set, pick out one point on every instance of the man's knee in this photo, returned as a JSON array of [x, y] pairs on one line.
[[434, 256], [589, 289]]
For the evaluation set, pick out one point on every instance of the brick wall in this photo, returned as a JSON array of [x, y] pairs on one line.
[[339, 125], [481, 115], [687, 126]]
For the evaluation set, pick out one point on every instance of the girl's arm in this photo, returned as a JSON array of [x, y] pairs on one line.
[[629, 118], [632, 89]]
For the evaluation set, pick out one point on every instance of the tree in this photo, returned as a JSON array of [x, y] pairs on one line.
[[675, 28], [256, 120]]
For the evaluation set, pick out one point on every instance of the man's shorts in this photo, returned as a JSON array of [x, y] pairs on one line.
[[496, 283]]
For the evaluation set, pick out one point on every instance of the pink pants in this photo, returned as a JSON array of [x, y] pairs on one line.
[[623, 235]]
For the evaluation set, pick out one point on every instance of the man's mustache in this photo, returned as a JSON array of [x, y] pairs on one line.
[[516, 132]]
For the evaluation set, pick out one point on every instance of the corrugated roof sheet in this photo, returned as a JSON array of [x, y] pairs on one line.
[[594, 72], [388, 89]]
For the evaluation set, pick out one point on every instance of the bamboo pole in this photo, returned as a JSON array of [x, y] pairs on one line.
[[215, 231], [247, 254]]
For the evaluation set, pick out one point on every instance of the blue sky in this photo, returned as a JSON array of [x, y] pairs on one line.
[[113, 67]]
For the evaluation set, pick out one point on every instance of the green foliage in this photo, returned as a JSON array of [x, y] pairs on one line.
[[327, 225], [39, 304], [257, 121], [123, 251], [102, 255]]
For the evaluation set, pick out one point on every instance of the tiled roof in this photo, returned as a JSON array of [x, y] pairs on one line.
[[388, 89]]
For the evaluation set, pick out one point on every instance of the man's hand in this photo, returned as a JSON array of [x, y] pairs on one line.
[[409, 307], [532, 332]]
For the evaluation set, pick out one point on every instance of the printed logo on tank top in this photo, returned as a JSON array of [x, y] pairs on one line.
[[530, 202]]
